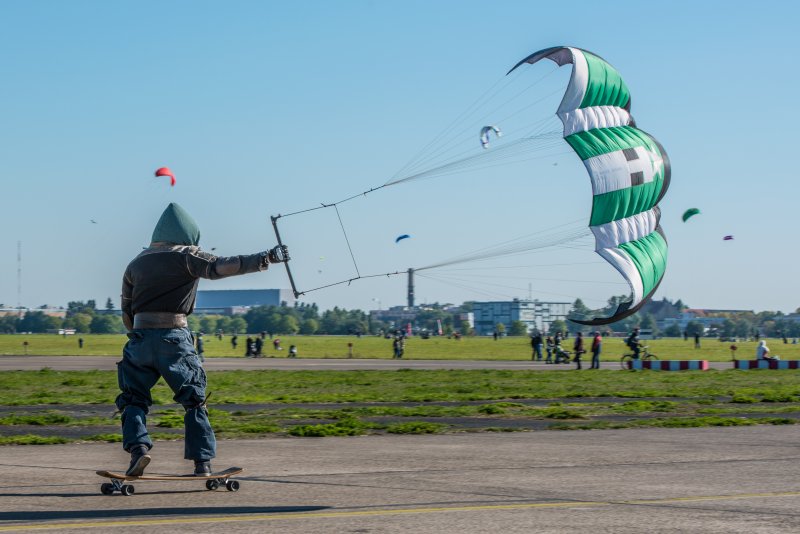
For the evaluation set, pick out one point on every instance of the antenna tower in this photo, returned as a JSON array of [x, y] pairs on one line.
[[19, 276]]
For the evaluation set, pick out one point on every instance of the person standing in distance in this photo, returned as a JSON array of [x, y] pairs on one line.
[[597, 345], [159, 289]]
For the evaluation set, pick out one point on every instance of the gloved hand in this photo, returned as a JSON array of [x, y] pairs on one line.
[[279, 254]]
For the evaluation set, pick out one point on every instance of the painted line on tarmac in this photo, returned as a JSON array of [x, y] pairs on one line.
[[385, 512]]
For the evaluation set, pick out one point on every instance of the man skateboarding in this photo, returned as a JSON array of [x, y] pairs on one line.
[[158, 293]]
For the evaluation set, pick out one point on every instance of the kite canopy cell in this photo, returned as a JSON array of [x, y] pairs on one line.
[[485, 134], [688, 214], [164, 171], [628, 168]]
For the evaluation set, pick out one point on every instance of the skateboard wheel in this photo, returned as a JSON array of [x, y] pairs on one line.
[[232, 485], [106, 488], [127, 489], [212, 484]]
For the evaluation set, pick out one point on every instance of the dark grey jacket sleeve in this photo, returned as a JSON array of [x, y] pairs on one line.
[[127, 301], [204, 265]]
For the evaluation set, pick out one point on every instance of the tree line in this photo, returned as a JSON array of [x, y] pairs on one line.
[[306, 319]]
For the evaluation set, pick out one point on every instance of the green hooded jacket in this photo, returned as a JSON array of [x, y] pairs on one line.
[[176, 226]]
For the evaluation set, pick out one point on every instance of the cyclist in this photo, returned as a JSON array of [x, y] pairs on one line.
[[634, 344]]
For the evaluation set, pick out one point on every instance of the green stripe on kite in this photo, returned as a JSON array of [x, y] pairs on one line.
[[626, 202], [649, 255], [604, 86], [598, 141]]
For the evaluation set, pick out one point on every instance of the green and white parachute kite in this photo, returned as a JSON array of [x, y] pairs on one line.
[[629, 170]]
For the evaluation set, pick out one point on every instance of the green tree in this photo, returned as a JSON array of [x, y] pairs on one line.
[[274, 323], [518, 328], [694, 328], [466, 329], [289, 325], [500, 328], [648, 322], [208, 324], [579, 310], [106, 324], [8, 324], [81, 322], [224, 324], [728, 329], [194, 323], [38, 322], [109, 305], [673, 330], [238, 325], [309, 327], [78, 306], [557, 326]]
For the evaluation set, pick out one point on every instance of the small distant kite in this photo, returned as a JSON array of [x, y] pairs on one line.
[[728, 238], [485, 134], [164, 171], [688, 214], [92, 221], [401, 237]]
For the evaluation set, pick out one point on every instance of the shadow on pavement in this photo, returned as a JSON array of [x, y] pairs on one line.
[[155, 512]]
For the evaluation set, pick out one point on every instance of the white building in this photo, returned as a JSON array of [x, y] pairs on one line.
[[535, 314]]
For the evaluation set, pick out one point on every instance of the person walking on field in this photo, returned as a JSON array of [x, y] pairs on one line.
[[597, 344], [536, 345], [199, 345], [579, 350], [159, 289]]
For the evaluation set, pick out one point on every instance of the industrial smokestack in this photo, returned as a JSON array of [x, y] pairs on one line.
[[410, 288]]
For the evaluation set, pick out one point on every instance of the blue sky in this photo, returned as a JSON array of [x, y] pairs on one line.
[[263, 108]]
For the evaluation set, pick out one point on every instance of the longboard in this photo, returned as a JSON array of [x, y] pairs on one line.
[[213, 481]]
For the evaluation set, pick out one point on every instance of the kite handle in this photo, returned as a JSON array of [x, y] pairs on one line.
[[286, 263]]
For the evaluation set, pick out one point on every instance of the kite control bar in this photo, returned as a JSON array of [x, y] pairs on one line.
[[286, 263], [297, 293]]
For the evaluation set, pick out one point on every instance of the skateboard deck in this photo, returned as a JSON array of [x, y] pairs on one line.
[[213, 481]]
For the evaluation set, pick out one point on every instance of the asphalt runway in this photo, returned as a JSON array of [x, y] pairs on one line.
[[109, 363], [709, 480]]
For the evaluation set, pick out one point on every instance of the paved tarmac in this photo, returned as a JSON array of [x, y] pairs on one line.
[[709, 480], [109, 363]]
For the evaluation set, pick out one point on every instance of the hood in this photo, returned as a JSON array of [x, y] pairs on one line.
[[176, 226]]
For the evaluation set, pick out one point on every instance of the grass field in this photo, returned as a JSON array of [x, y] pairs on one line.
[[47, 387], [478, 348], [41, 407]]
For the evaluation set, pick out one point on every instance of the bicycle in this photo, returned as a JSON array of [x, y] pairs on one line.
[[644, 355]]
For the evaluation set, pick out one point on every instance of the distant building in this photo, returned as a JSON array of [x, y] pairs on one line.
[[20, 312], [535, 314], [396, 315], [706, 317], [238, 301]]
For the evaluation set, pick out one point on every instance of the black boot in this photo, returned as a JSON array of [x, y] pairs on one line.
[[202, 468], [139, 460]]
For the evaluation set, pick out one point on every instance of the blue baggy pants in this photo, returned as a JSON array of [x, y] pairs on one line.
[[169, 353]]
